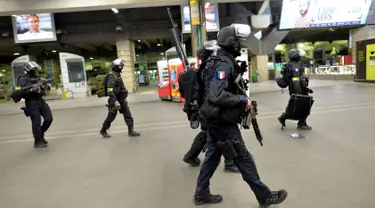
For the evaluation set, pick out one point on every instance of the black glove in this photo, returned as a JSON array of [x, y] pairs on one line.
[[310, 91]]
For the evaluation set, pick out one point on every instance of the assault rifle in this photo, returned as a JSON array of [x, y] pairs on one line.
[[17, 95], [250, 115]]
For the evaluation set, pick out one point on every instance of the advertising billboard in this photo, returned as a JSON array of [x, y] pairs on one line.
[[30, 28], [211, 14], [298, 14]]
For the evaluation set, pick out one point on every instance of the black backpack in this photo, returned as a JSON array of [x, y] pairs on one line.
[[190, 87], [192, 90]]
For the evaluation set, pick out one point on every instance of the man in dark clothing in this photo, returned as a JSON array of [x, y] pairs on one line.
[[222, 108], [294, 75], [191, 157], [117, 93], [35, 107]]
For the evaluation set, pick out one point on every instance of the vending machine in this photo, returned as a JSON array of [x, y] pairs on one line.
[[164, 87], [175, 68]]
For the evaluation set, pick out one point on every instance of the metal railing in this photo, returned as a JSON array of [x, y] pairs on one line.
[[332, 70]]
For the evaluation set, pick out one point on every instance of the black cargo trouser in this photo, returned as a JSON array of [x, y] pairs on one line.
[[198, 145], [244, 161], [113, 113], [38, 108]]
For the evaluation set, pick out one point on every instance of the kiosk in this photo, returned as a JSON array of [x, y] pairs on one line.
[[365, 61], [74, 74]]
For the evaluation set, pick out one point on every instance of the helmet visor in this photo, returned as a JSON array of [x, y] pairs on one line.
[[29, 66], [241, 30]]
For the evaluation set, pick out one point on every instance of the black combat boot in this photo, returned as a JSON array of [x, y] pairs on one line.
[[282, 120], [210, 199], [133, 133], [39, 144], [302, 125], [192, 161], [44, 141], [231, 168], [277, 197], [104, 133]]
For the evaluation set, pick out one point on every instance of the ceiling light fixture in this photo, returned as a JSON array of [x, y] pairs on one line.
[[139, 41], [16, 54], [91, 58], [115, 10], [158, 44], [54, 51]]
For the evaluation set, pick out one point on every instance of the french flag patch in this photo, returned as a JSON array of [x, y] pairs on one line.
[[221, 75]]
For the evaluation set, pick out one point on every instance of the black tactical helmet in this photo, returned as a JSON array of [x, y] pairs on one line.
[[208, 48], [31, 66], [231, 37], [295, 53], [117, 65]]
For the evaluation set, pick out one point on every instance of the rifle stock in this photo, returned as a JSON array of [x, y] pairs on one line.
[[250, 116]]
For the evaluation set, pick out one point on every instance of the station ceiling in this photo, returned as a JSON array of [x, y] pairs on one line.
[[93, 33]]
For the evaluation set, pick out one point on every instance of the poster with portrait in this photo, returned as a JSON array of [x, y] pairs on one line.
[[299, 14], [212, 18], [29, 28]]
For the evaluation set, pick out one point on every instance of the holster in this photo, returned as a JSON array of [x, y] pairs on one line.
[[113, 109], [228, 149], [27, 113], [238, 146]]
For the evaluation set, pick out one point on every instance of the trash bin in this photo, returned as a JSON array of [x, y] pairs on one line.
[[254, 77]]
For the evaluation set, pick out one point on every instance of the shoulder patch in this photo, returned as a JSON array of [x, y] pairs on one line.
[[221, 74]]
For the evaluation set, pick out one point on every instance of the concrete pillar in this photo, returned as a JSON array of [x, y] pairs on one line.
[[194, 40], [196, 18], [125, 51], [259, 64]]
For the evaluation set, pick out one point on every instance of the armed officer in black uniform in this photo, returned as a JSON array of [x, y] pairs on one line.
[[293, 74], [36, 107], [191, 157], [222, 108], [117, 93]]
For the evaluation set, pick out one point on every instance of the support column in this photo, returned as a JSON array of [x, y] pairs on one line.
[[259, 64], [196, 19], [125, 51]]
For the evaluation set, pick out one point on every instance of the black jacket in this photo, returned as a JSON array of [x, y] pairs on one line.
[[116, 87], [222, 100], [26, 81], [294, 74]]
